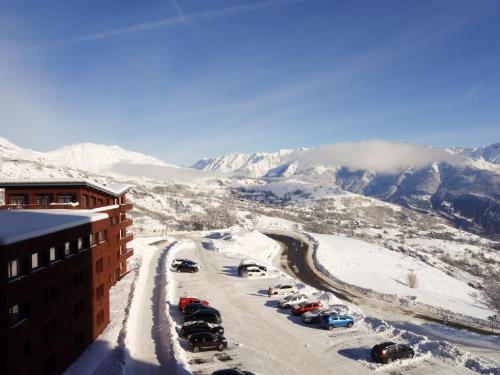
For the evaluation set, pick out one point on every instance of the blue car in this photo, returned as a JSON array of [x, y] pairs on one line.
[[332, 321]]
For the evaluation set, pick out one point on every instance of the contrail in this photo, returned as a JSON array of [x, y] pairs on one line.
[[183, 19]]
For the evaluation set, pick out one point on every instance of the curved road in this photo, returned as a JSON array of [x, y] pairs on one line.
[[293, 261]]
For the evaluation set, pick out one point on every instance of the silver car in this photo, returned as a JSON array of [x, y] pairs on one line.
[[315, 315], [292, 300]]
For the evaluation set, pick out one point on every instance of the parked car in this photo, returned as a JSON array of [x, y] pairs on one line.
[[292, 300], [314, 316], [192, 307], [249, 263], [209, 316], [183, 301], [206, 340], [232, 371], [332, 321], [306, 306], [198, 326], [184, 267], [390, 351], [253, 271], [283, 289], [178, 261]]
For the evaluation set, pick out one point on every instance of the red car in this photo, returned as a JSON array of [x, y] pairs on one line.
[[306, 306], [183, 301]]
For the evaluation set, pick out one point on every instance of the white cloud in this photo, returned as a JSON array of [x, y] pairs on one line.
[[381, 156]]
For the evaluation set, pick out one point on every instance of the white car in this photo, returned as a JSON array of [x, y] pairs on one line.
[[292, 300], [253, 272], [283, 289]]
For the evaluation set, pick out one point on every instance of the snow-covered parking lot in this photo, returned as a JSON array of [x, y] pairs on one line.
[[267, 340]]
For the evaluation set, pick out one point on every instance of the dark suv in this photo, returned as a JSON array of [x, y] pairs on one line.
[[190, 328], [192, 307], [206, 340], [209, 316], [186, 267], [390, 351]]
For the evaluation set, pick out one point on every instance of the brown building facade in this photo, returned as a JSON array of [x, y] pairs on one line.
[[62, 246]]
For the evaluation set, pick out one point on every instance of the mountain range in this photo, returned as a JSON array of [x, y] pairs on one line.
[[462, 185]]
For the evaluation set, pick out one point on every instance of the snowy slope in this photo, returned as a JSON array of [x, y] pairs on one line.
[[375, 267], [98, 158]]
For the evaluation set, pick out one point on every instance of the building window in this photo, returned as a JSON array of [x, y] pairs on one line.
[[99, 202], [85, 200], [13, 268], [43, 199], [99, 266], [67, 198], [78, 308], [18, 313], [101, 236], [80, 243], [100, 292], [91, 239], [49, 295], [92, 200], [18, 199], [52, 254], [66, 249], [34, 261], [100, 317], [49, 331], [27, 348]]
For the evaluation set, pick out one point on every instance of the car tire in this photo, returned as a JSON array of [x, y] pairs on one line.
[[349, 325], [196, 349], [330, 328], [193, 271], [220, 347], [178, 270]]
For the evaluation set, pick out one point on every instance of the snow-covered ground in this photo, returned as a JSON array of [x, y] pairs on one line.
[[375, 267], [268, 340]]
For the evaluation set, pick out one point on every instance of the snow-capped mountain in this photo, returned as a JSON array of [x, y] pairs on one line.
[[251, 165], [89, 157], [459, 187], [490, 153]]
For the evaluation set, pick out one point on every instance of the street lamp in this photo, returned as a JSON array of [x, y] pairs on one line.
[[493, 319]]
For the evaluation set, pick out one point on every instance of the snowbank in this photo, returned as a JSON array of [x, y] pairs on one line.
[[253, 244], [377, 268]]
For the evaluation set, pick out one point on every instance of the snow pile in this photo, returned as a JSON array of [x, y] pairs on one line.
[[374, 267], [424, 347], [253, 244]]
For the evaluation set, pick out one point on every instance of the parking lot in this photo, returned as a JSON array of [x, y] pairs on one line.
[[268, 340]]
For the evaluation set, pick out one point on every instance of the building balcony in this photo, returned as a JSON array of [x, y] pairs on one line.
[[127, 253], [126, 223], [65, 206], [128, 237], [126, 206]]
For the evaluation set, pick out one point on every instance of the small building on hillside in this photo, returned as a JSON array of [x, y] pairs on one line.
[[62, 246]]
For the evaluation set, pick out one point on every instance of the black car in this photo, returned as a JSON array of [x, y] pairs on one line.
[[206, 340], [209, 316], [190, 328], [185, 267], [192, 307], [232, 371], [390, 351]]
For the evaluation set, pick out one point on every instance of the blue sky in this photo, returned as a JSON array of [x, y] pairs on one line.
[[185, 79]]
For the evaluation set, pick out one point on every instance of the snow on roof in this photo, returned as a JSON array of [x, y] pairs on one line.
[[113, 189], [20, 225]]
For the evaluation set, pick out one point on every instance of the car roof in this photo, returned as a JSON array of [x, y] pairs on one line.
[[200, 334]]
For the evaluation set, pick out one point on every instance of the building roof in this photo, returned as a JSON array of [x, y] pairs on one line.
[[114, 190], [20, 225]]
